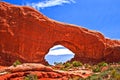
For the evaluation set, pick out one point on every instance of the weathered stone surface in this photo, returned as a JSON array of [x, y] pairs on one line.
[[27, 35], [42, 72]]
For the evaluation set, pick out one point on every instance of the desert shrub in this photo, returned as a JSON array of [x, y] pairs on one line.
[[101, 64], [31, 77], [96, 68], [64, 69], [77, 63], [112, 73], [93, 77], [115, 74], [58, 63], [87, 66], [99, 76], [104, 74], [17, 62], [67, 65]]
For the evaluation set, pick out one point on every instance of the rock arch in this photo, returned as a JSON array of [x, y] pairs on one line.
[[27, 35], [68, 45]]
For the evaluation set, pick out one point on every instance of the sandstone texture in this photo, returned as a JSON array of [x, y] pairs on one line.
[[42, 72], [27, 35]]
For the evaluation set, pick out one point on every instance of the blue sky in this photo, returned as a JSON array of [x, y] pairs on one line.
[[99, 15]]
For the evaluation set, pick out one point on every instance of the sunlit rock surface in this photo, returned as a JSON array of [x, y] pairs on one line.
[[27, 35], [42, 72]]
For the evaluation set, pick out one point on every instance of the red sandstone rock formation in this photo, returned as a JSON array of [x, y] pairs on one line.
[[27, 35], [42, 72]]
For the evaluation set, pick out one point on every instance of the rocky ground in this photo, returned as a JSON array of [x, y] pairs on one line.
[[68, 71], [41, 72]]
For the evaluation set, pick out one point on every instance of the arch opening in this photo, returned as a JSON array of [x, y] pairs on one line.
[[59, 54]]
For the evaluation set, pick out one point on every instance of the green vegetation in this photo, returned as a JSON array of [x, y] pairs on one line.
[[31, 77], [77, 63], [101, 64], [101, 71], [110, 74], [96, 68], [68, 65], [17, 62], [58, 63]]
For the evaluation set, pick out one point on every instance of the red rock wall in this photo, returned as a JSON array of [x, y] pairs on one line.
[[27, 35]]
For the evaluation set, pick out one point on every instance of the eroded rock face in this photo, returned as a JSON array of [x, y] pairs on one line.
[[42, 72], [20, 71], [27, 35]]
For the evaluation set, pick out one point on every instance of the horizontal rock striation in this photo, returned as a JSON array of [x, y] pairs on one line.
[[30, 70]]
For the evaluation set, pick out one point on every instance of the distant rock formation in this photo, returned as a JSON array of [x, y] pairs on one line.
[[27, 35]]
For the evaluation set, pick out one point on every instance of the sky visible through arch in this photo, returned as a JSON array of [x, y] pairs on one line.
[[99, 15], [59, 53]]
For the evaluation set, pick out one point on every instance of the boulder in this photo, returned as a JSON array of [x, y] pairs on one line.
[[32, 70]]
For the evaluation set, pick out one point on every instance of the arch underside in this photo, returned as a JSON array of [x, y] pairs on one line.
[[79, 54]]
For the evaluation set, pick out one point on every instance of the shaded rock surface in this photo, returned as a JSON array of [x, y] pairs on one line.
[[27, 35]]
